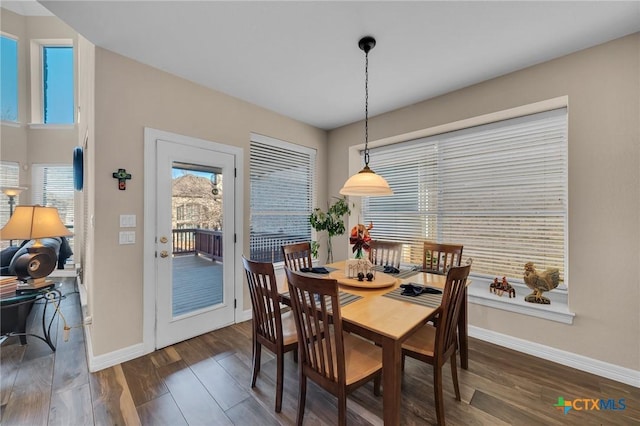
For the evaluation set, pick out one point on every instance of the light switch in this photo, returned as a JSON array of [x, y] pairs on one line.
[[127, 237], [127, 221]]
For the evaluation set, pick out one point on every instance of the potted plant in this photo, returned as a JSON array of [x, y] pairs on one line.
[[331, 221]]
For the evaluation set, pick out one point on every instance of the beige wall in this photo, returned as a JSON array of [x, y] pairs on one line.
[[603, 86], [23, 144], [128, 97]]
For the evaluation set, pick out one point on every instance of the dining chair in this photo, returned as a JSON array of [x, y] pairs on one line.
[[438, 258], [435, 344], [337, 361], [271, 328], [297, 255], [385, 253]]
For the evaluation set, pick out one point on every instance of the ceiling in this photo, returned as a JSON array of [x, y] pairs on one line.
[[301, 59]]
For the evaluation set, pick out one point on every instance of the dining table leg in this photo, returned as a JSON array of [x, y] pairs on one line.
[[391, 380]]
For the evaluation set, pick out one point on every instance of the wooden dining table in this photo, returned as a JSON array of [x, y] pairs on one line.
[[387, 322]]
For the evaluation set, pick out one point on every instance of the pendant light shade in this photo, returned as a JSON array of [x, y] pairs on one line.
[[366, 183]]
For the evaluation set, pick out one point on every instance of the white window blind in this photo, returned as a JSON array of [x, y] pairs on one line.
[[499, 189], [9, 176], [282, 194], [53, 187]]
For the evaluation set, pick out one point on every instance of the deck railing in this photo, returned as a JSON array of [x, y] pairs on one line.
[[263, 247], [205, 242], [268, 247]]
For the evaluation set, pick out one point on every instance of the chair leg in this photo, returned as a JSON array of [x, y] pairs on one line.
[[302, 397], [437, 390], [376, 384], [342, 408], [279, 377], [454, 375], [257, 351]]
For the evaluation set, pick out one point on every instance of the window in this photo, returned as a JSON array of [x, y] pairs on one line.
[[53, 187], [52, 71], [500, 189], [282, 193], [9, 80], [9, 176], [57, 82]]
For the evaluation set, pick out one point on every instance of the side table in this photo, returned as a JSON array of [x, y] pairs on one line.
[[20, 307]]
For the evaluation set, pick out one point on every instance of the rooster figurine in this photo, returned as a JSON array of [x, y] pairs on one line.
[[540, 282]]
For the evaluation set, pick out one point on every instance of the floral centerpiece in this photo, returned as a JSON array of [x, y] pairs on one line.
[[360, 239]]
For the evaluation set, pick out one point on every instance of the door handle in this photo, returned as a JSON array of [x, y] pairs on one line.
[[164, 254]]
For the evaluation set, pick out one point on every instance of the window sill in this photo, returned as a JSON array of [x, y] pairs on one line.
[[558, 310], [39, 126], [11, 123]]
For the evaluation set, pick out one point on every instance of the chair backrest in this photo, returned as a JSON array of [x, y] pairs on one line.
[[265, 300], [385, 253], [316, 310], [438, 258], [452, 300], [297, 255]]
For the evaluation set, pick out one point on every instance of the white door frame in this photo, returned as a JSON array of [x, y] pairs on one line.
[[149, 278]]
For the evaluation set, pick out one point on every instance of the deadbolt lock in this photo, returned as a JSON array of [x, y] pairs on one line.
[[163, 240]]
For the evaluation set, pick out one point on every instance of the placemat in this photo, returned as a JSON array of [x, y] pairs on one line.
[[424, 299], [401, 275], [343, 298]]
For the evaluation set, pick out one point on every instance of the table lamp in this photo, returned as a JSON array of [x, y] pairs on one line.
[[34, 223]]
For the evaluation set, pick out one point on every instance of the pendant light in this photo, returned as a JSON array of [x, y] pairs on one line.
[[366, 183]]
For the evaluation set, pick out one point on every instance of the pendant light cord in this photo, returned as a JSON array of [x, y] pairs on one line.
[[366, 108]]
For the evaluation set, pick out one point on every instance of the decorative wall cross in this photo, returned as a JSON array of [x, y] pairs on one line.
[[122, 177]]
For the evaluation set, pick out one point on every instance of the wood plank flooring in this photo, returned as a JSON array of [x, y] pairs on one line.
[[205, 381]]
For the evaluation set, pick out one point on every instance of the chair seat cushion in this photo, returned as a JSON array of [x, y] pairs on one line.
[[422, 341]]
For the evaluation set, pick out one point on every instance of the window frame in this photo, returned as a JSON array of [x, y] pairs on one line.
[[478, 293], [37, 82]]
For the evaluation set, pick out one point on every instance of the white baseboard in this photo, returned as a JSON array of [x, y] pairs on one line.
[[579, 362], [100, 362], [246, 315], [63, 273]]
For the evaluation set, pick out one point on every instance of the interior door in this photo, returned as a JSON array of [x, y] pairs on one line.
[[194, 241]]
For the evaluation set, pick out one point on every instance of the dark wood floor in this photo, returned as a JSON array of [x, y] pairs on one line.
[[205, 381]]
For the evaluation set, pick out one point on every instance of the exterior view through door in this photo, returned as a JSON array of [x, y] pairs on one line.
[[196, 227]]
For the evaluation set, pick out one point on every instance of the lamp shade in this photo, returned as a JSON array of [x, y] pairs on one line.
[[366, 183], [12, 191], [34, 222]]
